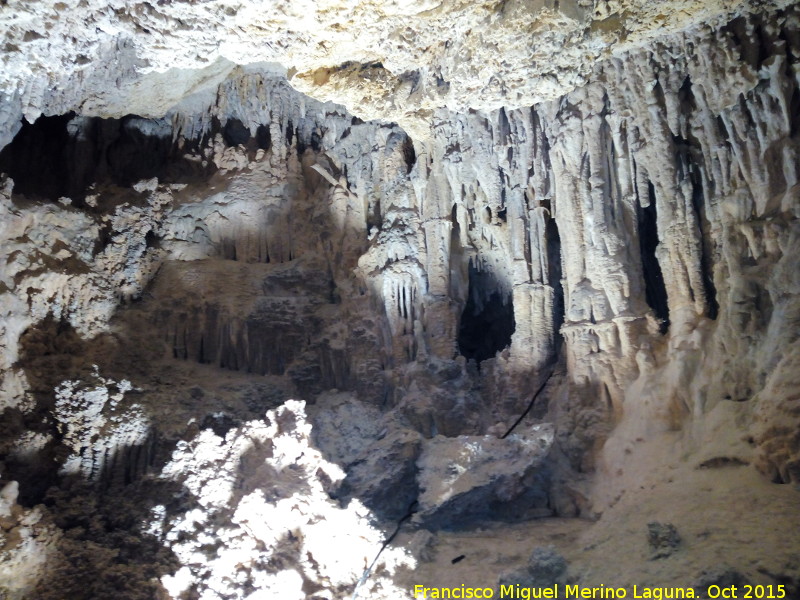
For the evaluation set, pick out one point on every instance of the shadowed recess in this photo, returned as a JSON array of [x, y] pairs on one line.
[[487, 322], [62, 156]]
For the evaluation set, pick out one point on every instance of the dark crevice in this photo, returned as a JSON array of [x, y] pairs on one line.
[[37, 149], [655, 289], [611, 185], [686, 97], [220, 423], [487, 322], [315, 141], [504, 127], [554, 278], [235, 133], [764, 44], [723, 131], [152, 240], [62, 156], [374, 218], [690, 160], [263, 137], [794, 113], [748, 52], [409, 154], [704, 227], [744, 106], [301, 144], [289, 132]]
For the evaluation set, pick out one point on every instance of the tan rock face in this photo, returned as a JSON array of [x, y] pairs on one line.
[[602, 196], [397, 61]]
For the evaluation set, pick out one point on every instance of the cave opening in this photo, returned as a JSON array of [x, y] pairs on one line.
[[39, 148], [235, 133], [487, 322], [263, 137], [64, 155], [655, 289]]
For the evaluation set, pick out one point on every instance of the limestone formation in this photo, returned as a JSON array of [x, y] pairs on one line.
[[276, 280]]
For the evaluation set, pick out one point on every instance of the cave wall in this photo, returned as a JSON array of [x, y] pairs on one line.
[[565, 213], [635, 235]]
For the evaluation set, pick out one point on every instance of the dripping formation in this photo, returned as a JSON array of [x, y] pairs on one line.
[[266, 325]]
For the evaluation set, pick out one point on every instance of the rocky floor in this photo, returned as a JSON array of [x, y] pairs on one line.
[[260, 496]]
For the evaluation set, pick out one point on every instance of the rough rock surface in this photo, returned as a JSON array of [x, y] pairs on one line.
[[545, 568], [200, 242], [27, 543], [663, 539], [462, 478], [285, 539], [393, 60]]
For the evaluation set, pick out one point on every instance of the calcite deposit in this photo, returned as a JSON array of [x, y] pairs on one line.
[[329, 300]]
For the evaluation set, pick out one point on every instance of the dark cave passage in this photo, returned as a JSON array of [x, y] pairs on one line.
[[39, 148], [487, 322], [62, 156], [235, 133], [655, 289]]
